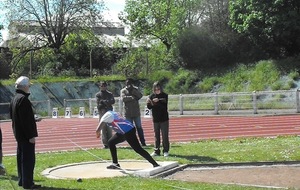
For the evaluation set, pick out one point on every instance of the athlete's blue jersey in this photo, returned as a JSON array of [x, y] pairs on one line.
[[118, 123]]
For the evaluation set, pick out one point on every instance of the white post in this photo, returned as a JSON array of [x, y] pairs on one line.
[[55, 113], [181, 104], [297, 101], [147, 113], [81, 112], [95, 112], [254, 102], [216, 104], [68, 112]]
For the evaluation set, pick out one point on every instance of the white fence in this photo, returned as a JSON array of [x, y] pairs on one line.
[[262, 102]]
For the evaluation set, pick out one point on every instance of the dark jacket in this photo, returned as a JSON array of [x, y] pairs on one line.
[[131, 97], [105, 100], [160, 108], [22, 115]]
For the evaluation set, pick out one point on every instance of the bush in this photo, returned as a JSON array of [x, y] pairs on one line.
[[263, 75], [183, 82]]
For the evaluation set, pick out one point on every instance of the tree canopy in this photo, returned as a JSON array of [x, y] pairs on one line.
[[272, 24], [162, 20], [53, 20]]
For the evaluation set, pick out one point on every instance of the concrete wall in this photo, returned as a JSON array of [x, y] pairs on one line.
[[57, 92]]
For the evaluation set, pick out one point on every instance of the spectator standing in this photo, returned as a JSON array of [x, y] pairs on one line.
[[158, 103], [2, 169], [25, 132], [125, 130], [105, 100], [131, 95]]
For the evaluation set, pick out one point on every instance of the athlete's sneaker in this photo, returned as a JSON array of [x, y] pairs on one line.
[[155, 154], [156, 165], [114, 167], [166, 154]]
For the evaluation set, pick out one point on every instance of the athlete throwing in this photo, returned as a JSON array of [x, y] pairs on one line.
[[125, 130]]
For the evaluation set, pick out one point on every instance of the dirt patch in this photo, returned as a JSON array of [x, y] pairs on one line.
[[274, 176]]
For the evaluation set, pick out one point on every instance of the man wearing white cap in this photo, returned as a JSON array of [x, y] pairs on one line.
[[125, 130], [25, 132]]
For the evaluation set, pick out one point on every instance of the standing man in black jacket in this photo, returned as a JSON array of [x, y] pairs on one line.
[[25, 131], [105, 100], [158, 103]]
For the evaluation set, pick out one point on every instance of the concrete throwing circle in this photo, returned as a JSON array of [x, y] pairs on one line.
[[98, 169]]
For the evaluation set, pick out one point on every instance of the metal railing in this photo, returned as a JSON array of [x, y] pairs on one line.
[[260, 102]]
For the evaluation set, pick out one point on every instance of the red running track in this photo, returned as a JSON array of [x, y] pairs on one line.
[[64, 134]]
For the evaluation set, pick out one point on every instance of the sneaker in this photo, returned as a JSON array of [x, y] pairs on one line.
[[166, 154], [155, 154], [105, 147], [156, 165], [114, 167]]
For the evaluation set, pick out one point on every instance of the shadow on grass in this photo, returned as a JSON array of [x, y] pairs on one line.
[[195, 158], [15, 178], [54, 188]]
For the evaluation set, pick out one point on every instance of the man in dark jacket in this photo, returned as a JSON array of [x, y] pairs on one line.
[[131, 95], [105, 100], [158, 103], [25, 131]]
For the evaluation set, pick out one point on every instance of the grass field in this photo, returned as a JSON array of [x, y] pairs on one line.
[[283, 148]]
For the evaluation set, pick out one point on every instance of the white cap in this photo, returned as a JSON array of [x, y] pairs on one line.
[[108, 117], [22, 81]]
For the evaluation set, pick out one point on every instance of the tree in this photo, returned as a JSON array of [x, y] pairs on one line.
[[199, 51], [53, 20], [85, 51], [271, 24], [37, 24], [162, 20]]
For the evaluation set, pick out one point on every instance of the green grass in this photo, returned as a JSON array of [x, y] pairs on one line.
[[285, 148]]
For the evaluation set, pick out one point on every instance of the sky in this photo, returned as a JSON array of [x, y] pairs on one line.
[[113, 6]]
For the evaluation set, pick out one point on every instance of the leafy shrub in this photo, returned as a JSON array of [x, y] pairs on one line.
[[208, 83], [183, 82], [293, 75], [264, 74]]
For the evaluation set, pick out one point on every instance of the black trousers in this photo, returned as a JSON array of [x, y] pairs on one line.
[[132, 140], [25, 163], [162, 127]]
